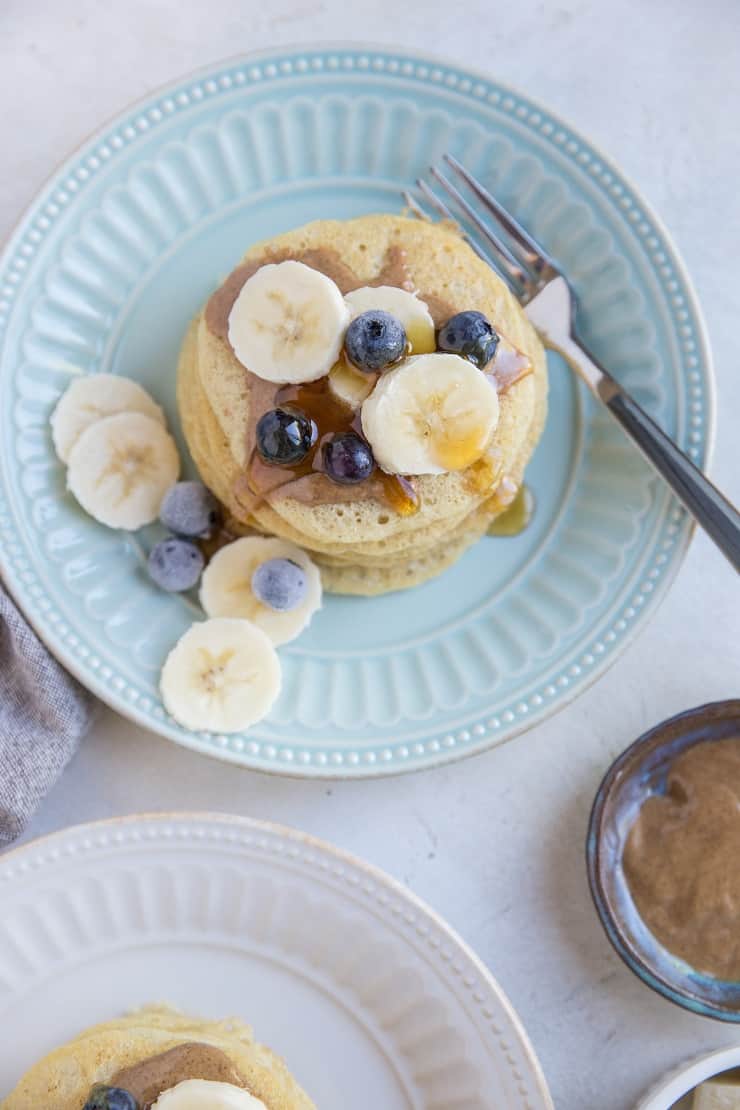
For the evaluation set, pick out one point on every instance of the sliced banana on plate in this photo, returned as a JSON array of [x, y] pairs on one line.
[[406, 307], [120, 469], [207, 1094], [249, 577], [222, 675], [431, 414], [92, 397], [288, 322]]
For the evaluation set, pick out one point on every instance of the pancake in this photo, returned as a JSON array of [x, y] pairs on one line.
[[63, 1079], [355, 526]]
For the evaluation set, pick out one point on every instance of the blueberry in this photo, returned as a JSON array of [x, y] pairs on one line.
[[374, 340], [280, 584], [110, 1098], [285, 435], [189, 509], [348, 458], [471, 335], [175, 564]]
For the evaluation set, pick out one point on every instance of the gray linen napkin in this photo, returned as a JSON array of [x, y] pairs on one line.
[[43, 715]]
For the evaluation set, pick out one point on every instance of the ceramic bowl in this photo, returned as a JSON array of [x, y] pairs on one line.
[[639, 772], [670, 1092]]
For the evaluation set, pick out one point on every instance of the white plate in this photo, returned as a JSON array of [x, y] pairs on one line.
[[374, 1002]]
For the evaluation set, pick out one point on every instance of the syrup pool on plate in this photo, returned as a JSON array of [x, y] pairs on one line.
[[517, 517]]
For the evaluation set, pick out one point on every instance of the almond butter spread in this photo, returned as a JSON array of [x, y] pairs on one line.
[[306, 482], [682, 859], [148, 1079]]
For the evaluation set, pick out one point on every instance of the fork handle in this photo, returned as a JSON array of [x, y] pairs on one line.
[[711, 509]]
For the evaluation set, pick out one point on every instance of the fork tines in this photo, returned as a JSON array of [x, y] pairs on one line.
[[520, 259]]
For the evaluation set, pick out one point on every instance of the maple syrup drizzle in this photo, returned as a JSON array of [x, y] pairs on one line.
[[400, 493], [332, 416], [486, 474], [516, 516]]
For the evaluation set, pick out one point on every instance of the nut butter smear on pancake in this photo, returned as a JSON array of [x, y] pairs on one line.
[[148, 1079]]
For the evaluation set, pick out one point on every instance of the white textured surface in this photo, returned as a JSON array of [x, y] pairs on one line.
[[495, 844]]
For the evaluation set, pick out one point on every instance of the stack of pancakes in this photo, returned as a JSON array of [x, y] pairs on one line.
[[361, 543]]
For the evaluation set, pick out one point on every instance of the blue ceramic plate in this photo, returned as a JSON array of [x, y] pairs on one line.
[[133, 233]]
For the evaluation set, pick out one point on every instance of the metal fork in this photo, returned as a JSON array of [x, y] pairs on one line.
[[550, 303]]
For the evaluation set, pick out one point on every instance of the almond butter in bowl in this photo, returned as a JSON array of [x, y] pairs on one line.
[[662, 856]]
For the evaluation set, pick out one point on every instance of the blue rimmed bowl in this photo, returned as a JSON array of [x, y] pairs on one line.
[[638, 773]]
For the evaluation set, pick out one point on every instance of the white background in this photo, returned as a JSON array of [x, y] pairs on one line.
[[496, 843]]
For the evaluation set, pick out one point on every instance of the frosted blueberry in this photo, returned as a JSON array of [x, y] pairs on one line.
[[189, 509], [280, 584], [175, 564]]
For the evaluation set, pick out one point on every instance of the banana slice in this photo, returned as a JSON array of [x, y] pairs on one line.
[[222, 675], [432, 414], [207, 1094], [349, 385], [406, 307], [92, 397], [120, 469], [287, 325], [226, 586]]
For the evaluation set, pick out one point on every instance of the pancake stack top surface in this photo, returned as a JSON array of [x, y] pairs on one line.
[[150, 1052], [387, 531]]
